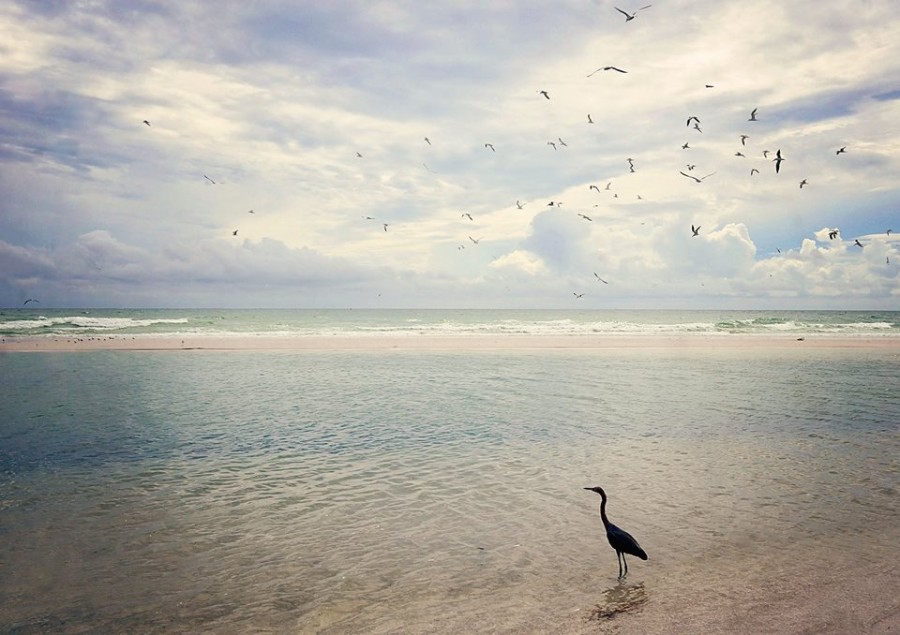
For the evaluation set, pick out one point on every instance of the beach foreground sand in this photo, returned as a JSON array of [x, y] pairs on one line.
[[435, 343]]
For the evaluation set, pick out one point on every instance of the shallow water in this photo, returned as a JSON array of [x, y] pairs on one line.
[[398, 491]]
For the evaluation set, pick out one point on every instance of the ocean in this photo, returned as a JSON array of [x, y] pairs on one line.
[[411, 491], [385, 322]]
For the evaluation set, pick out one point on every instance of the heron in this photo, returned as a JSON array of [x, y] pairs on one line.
[[619, 539]]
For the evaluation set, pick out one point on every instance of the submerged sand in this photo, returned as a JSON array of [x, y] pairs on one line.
[[435, 343]]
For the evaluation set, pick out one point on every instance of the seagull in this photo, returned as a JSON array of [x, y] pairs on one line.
[[544, 93], [594, 187], [30, 300], [691, 176], [778, 161], [464, 214], [753, 171], [753, 115], [691, 118], [744, 138], [631, 16], [608, 68], [578, 295], [490, 145], [857, 243], [696, 230], [589, 118], [842, 150], [562, 143], [474, 241], [209, 179], [586, 217], [832, 234], [802, 183], [148, 123], [600, 279]]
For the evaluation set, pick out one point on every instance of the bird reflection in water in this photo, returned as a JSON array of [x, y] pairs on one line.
[[619, 599]]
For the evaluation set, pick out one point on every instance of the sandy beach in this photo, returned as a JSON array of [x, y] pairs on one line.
[[435, 343]]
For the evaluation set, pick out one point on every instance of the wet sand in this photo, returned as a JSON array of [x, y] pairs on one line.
[[435, 343]]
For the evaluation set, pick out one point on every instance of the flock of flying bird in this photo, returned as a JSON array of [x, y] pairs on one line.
[[777, 159]]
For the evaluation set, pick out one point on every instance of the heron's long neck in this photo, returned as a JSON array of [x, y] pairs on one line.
[[603, 510]]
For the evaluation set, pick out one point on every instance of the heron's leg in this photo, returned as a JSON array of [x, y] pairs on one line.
[[619, 560], [626, 564]]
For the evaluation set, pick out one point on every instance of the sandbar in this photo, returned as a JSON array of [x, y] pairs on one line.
[[436, 343]]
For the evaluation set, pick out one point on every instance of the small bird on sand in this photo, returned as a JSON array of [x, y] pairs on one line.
[[619, 539]]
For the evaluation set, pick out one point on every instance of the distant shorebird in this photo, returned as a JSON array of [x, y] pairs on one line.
[[802, 183], [147, 122], [607, 185], [474, 241], [490, 145], [385, 225], [753, 115], [685, 146], [550, 143], [842, 150], [631, 16], [695, 230], [544, 93], [427, 140], [857, 243], [600, 279], [744, 138], [520, 205], [753, 171], [586, 217], [209, 179], [766, 154], [594, 187], [30, 300], [778, 161], [697, 126], [358, 155], [466, 214], [234, 233], [578, 295], [589, 118], [691, 118], [619, 539]]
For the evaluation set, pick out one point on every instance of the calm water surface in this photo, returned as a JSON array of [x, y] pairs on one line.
[[377, 492]]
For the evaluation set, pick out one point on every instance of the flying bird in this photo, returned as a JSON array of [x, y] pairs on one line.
[[594, 187], [607, 185], [589, 118], [209, 179], [740, 154], [697, 127], [832, 234], [778, 161], [234, 233], [630, 164], [520, 205], [685, 146], [544, 93], [385, 225], [465, 214], [696, 230], [631, 16], [600, 279], [586, 217], [608, 68], [358, 155], [753, 171], [251, 212], [766, 154], [753, 115], [842, 150], [474, 241], [691, 176], [30, 300], [802, 183], [427, 140], [550, 143], [619, 539], [578, 295], [691, 118], [490, 145], [562, 143], [744, 138], [148, 123], [857, 243]]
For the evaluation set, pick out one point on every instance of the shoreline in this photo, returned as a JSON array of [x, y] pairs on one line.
[[48, 343]]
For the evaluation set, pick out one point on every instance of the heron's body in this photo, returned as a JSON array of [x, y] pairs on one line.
[[619, 539]]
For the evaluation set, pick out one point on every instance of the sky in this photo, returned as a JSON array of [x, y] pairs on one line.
[[401, 154]]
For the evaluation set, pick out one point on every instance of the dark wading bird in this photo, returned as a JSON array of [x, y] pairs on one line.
[[619, 539]]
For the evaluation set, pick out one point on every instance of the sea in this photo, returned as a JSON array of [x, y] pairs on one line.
[[442, 491]]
